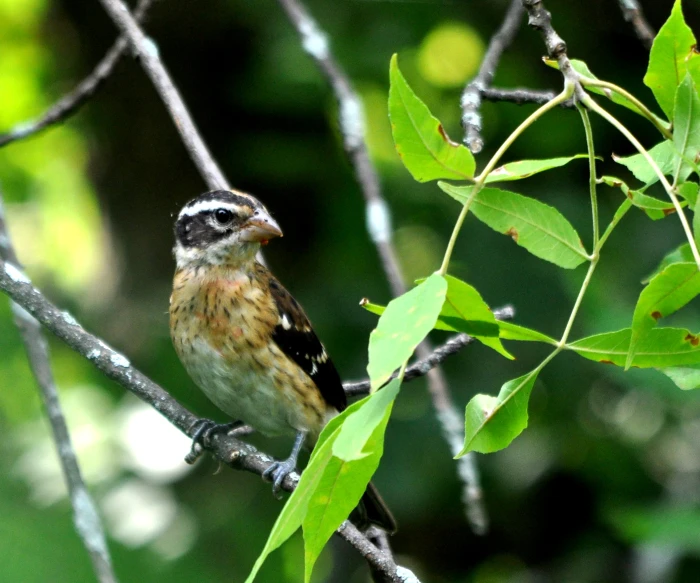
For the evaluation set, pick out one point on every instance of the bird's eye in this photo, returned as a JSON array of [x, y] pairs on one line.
[[223, 216]]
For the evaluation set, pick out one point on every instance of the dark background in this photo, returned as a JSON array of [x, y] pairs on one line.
[[602, 486]]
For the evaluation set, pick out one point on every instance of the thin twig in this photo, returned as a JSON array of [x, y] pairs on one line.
[[522, 96], [70, 103], [85, 515], [147, 51], [633, 14], [471, 97], [421, 367], [226, 448], [378, 216]]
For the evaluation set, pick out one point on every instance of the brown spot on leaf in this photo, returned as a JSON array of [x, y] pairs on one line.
[[513, 232], [445, 137], [668, 211], [607, 362], [656, 315], [364, 301], [693, 339]]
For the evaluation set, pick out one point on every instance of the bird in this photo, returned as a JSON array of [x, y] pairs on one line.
[[245, 341]]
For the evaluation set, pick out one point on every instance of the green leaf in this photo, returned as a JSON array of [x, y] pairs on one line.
[[681, 254], [666, 293], [344, 481], [668, 60], [665, 156], [492, 423], [686, 127], [466, 311], [539, 228], [660, 348], [422, 143], [659, 527], [510, 331], [403, 325], [526, 168], [685, 377], [358, 427], [654, 208], [689, 191]]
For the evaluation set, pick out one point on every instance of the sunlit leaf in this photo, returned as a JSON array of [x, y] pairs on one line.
[[654, 208], [492, 423], [660, 348], [665, 156], [685, 377], [686, 127], [538, 227], [510, 331], [673, 47], [689, 191], [666, 293], [525, 168], [680, 254], [422, 143], [403, 325]]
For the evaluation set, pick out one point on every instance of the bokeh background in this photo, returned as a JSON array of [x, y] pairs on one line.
[[602, 487]]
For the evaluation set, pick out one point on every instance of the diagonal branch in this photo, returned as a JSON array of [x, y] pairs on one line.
[[70, 103], [521, 96], [226, 448], [147, 52], [85, 515], [471, 97], [633, 14], [378, 217]]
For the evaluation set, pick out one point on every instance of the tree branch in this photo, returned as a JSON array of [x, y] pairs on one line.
[[85, 515], [633, 14], [147, 52], [521, 96], [471, 97], [226, 448], [378, 216], [73, 101]]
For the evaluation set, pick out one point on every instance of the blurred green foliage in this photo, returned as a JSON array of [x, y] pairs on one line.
[[603, 486]]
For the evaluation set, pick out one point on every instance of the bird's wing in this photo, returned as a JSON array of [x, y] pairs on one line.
[[297, 339]]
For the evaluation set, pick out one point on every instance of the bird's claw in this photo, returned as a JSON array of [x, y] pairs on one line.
[[202, 437], [277, 472]]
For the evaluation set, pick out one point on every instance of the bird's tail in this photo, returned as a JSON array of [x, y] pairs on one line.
[[372, 510]]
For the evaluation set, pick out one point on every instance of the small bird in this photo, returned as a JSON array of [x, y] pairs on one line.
[[243, 338]]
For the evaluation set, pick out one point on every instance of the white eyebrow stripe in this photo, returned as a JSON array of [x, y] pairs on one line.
[[207, 205]]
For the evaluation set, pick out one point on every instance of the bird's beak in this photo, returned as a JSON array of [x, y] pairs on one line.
[[260, 228]]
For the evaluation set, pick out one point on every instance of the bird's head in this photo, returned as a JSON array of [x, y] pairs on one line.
[[220, 227]]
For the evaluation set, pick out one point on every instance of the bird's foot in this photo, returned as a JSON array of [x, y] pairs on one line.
[[277, 472], [204, 432]]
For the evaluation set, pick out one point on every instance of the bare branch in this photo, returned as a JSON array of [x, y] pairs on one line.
[[70, 103], [226, 448], [633, 14], [471, 97], [378, 216], [85, 515], [521, 96], [147, 52]]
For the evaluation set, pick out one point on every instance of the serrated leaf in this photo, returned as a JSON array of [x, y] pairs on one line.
[[654, 208], [510, 331], [492, 423], [665, 156], [403, 325], [668, 60], [344, 481], [466, 311], [686, 128], [538, 227], [685, 377], [681, 254], [666, 293], [425, 148], [526, 168], [660, 348]]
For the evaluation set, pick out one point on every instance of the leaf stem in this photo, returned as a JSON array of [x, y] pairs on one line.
[[658, 123], [592, 105], [593, 181], [621, 212], [479, 182]]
